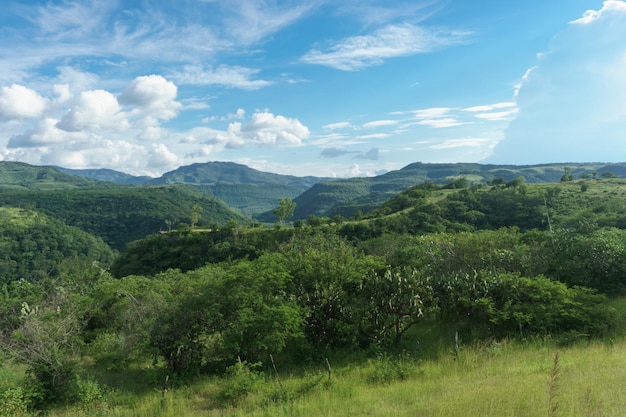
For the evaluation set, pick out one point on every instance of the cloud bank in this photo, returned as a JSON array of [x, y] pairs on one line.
[[572, 103]]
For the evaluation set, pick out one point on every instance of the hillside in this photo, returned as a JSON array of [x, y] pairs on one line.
[[20, 175], [465, 273], [108, 175], [34, 246], [122, 214], [347, 197]]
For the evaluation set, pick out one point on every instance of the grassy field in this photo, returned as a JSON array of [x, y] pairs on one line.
[[499, 379], [506, 378]]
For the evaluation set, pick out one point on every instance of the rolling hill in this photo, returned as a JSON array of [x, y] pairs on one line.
[[349, 196]]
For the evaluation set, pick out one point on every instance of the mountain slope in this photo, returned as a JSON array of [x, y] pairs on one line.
[[246, 189], [122, 214], [104, 174], [25, 176], [35, 246], [348, 196], [230, 172]]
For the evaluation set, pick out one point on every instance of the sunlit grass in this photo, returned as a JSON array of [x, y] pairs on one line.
[[499, 379]]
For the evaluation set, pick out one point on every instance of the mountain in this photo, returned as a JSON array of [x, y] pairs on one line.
[[21, 175], [349, 196], [241, 187], [104, 174]]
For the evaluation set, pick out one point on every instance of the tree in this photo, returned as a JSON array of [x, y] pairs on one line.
[[285, 209], [196, 209], [567, 176]]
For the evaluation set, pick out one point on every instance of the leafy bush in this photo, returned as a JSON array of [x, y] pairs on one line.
[[241, 379], [509, 305], [13, 402], [387, 369]]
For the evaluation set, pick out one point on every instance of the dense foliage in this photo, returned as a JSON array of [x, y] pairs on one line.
[[122, 214], [508, 260], [34, 246]]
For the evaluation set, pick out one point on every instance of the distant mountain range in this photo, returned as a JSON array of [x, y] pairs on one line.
[[256, 193]]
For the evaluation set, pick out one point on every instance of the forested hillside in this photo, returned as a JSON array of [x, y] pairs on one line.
[[349, 196], [122, 214], [21, 175], [497, 264], [34, 247]]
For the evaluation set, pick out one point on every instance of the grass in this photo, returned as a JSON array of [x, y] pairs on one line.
[[490, 379], [497, 379]]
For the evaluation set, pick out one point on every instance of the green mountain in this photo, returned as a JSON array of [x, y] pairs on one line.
[[21, 175], [230, 172], [246, 189], [349, 196], [104, 174]]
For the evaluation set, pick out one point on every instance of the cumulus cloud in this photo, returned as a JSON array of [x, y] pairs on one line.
[[44, 133], [608, 6], [265, 129], [571, 105], [152, 96], [19, 102], [395, 40], [231, 77], [97, 109]]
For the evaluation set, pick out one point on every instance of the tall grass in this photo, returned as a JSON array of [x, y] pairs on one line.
[[489, 379], [498, 379]]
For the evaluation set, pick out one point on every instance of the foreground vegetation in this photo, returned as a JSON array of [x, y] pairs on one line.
[[443, 301]]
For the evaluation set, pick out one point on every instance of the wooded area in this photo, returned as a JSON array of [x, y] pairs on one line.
[[500, 261]]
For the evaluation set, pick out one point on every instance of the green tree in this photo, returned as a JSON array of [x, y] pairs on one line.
[[285, 209], [394, 301], [196, 211], [567, 176]]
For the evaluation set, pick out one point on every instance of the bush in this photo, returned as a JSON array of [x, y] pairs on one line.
[[13, 402], [242, 378], [505, 305]]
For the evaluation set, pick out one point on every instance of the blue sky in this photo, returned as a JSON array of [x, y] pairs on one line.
[[311, 87]]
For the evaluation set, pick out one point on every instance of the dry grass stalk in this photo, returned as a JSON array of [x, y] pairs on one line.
[[553, 387]]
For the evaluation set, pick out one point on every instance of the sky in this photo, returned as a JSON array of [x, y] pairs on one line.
[[329, 88]]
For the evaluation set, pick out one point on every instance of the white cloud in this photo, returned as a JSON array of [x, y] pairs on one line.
[[379, 123], [607, 7], [392, 41], [265, 129], [19, 102], [571, 104], [490, 107], [441, 123], [161, 159], [253, 20], [227, 76], [374, 136], [500, 115], [44, 133], [461, 143], [431, 113], [94, 109], [356, 171], [152, 96], [337, 126]]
